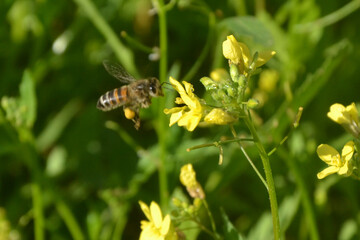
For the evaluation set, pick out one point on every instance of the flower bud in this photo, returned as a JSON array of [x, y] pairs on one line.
[[252, 103]]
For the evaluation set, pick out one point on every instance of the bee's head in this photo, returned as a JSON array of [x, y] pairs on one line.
[[155, 88]]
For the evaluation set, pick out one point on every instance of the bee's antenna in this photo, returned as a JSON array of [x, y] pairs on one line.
[[166, 87]]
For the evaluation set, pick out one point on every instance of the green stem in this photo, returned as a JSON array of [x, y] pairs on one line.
[[69, 220], [195, 68], [215, 144], [248, 158], [161, 128], [269, 178], [332, 18], [123, 54], [212, 222], [305, 198], [38, 211]]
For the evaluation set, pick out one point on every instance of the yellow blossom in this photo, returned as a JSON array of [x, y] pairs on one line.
[[188, 179], [337, 164], [157, 228], [190, 115], [346, 117], [238, 53], [343, 115]]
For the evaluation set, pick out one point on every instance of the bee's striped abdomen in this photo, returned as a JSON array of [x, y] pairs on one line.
[[113, 99]]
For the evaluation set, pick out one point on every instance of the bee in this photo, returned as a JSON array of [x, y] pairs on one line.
[[135, 95]]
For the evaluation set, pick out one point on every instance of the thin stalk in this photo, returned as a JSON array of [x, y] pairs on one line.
[[248, 158], [305, 198], [195, 68], [211, 218], [123, 54], [269, 178], [215, 144], [38, 211], [161, 127], [69, 220], [330, 19]]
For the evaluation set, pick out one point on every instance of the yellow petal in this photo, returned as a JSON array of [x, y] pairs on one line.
[[328, 154], [145, 209], [344, 170], [176, 85], [327, 171], [246, 56], [165, 225], [264, 57], [348, 151], [336, 113], [232, 50], [175, 117], [156, 214], [189, 120], [353, 112], [174, 110]]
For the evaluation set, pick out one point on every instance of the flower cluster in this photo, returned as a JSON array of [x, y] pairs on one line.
[[227, 90], [347, 163], [194, 109]]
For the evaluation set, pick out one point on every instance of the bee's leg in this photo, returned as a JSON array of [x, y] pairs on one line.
[[146, 102]]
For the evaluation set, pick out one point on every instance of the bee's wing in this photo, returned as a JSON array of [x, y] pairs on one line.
[[117, 71]]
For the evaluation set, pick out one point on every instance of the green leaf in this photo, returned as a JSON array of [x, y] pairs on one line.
[[230, 232], [248, 27], [28, 99]]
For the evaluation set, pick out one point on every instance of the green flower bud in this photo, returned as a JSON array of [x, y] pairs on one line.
[[208, 83], [234, 72], [252, 103]]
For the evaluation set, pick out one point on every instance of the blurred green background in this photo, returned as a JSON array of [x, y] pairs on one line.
[[59, 152]]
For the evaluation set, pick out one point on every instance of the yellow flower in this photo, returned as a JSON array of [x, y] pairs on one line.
[[188, 179], [340, 164], [190, 115], [346, 117], [156, 228], [238, 53]]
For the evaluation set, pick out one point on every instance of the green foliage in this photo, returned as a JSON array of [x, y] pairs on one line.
[[69, 171]]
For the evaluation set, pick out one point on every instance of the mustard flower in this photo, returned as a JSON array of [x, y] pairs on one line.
[[239, 54], [337, 164], [189, 115], [188, 179], [157, 227], [346, 116]]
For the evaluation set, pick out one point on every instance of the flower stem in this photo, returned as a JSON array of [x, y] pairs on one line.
[[248, 158], [269, 178], [38, 211], [69, 220], [212, 222], [123, 54], [161, 128]]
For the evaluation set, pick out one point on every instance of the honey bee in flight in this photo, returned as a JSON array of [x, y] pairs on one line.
[[133, 96]]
